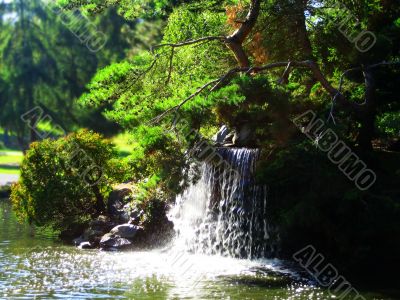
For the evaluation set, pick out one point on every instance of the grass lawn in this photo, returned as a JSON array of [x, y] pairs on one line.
[[10, 157], [10, 161], [123, 144], [11, 171]]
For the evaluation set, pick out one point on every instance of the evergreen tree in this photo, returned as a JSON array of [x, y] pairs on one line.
[[46, 63]]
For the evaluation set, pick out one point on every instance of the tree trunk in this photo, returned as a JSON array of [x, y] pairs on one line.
[[302, 33], [366, 132], [100, 206], [6, 138], [235, 41], [367, 118]]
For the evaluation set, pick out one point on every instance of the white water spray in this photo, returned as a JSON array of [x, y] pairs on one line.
[[224, 213]]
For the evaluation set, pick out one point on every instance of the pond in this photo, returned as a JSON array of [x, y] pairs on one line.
[[35, 265]]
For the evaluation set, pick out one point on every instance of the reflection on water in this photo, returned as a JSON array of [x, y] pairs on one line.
[[34, 264]]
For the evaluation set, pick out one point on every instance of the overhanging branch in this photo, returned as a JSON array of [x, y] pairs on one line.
[[234, 41], [177, 107], [308, 64], [190, 42]]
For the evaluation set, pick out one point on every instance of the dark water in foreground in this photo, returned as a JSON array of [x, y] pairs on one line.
[[34, 265]]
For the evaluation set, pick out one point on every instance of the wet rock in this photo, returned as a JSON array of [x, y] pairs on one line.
[[111, 241], [229, 139], [97, 228], [106, 238], [124, 216], [93, 234], [78, 241], [5, 191], [220, 137], [134, 216], [243, 137], [85, 245], [394, 146], [158, 233], [127, 231], [102, 223], [116, 204]]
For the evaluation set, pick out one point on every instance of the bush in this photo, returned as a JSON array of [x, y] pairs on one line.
[[64, 182], [158, 161]]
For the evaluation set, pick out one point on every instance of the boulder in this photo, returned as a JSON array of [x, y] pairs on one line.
[[85, 245], [78, 241], [110, 241], [127, 231], [243, 137], [116, 204], [394, 146], [93, 234], [229, 139], [220, 137], [102, 223], [134, 216], [5, 191]]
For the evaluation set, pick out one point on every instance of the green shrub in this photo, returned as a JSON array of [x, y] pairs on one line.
[[157, 161], [64, 182], [389, 124]]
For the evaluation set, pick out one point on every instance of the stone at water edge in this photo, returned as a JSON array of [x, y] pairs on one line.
[[128, 231], [109, 240], [85, 245], [93, 236], [97, 228], [101, 224], [220, 137], [78, 241], [243, 136], [135, 215], [5, 190], [116, 202]]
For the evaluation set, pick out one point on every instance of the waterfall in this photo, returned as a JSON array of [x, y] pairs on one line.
[[224, 213]]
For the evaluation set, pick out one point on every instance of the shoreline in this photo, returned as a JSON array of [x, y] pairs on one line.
[[6, 180]]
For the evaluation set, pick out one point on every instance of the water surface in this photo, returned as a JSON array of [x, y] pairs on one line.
[[34, 265]]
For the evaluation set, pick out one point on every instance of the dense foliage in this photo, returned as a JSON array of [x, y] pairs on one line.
[[64, 182], [223, 62], [171, 83], [143, 88], [46, 60], [314, 203]]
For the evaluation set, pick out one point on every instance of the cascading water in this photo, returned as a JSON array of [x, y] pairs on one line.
[[225, 211]]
